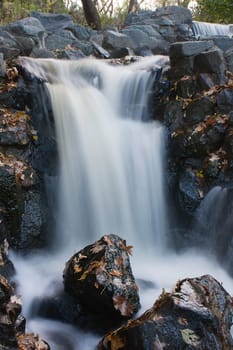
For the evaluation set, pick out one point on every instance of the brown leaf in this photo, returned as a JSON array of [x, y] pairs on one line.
[[97, 248], [123, 305], [77, 268], [129, 249], [116, 273]]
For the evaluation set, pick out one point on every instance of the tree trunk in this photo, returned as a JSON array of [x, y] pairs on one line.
[[133, 6], [91, 14]]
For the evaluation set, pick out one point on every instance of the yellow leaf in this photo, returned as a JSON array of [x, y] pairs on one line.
[[35, 137]]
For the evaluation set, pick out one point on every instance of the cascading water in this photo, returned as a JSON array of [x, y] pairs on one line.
[[205, 29], [111, 180]]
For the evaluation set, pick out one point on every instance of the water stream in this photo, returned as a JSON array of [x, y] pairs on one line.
[[111, 180]]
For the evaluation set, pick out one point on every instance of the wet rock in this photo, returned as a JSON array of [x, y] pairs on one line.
[[100, 277], [186, 87], [32, 342], [225, 100], [173, 115], [14, 128], [198, 109], [190, 190], [7, 269], [195, 315], [10, 308]]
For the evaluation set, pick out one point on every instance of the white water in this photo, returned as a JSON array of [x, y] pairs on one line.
[[206, 29], [111, 181]]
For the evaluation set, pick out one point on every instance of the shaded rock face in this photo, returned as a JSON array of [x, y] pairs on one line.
[[24, 212], [195, 315], [100, 277]]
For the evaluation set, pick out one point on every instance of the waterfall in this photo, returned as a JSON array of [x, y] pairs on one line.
[[111, 175], [111, 180], [205, 29]]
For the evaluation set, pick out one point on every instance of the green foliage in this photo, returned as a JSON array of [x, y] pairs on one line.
[[215, 11], [12, 10]]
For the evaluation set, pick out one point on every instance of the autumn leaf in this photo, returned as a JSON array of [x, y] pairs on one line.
[[77, 268], [129, 249], [116, 273], [97, 248], [123, 305]]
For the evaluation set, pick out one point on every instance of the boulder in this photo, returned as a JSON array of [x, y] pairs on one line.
[[229, 60], [116, 40], [197, 314], [189, 48], [8, 45], [198, 109], [211, 62], [53, 22], [100, 278], [225, 100], [28, 26], [7, 269]]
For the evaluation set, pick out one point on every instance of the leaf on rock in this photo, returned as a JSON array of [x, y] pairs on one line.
[[97, 248], [123, 305], [115, 340], [77, 268], [94, 265], [116, 273]]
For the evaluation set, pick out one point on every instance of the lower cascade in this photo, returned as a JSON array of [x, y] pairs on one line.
[[112, 164]]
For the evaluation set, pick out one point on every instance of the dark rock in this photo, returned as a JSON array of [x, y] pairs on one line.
[[123, 52], [183, 66], [211, 62], [53, 22], [7, 269], [205, 81], [195, 315], [25, 44], [81, 32], [100, 52], [224, 43], [229, 60], [186, 87], [190, 191], [225, 100], [86, 47], [100, 278], [9, 311], [8, 45], [198, 109], [173, 115], [33, 221], [2, 66]]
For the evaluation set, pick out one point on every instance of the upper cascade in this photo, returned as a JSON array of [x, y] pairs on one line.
[[205, 29]]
